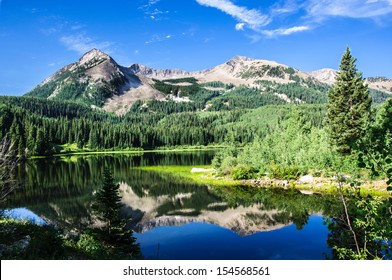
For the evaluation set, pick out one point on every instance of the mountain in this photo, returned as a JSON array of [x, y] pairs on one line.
[[97, 80], [139, 69], [239, 70], [380, 83], [93, 78], [325, 75], [328, 76], [247, 71]]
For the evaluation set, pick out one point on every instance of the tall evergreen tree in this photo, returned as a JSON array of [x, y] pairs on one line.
[[348, 106], [107, 207], [107, 201], [41, 144]]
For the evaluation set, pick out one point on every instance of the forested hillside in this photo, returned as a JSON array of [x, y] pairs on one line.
[[43, 127]]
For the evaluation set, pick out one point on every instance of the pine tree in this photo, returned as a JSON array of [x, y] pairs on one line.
[[348, 106], [93, 139], [41, 144], [119, 241], [107, 201], [31, 138]]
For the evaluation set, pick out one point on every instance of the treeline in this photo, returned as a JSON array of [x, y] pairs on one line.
[[40, 131], [44, 127]]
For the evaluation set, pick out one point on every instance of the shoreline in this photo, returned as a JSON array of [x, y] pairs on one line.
[[136, 151], [205, 176]]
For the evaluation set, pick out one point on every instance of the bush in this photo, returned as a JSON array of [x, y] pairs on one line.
[[287, 172], [243, 172], [27, 241], [90, 246], [227, 165]]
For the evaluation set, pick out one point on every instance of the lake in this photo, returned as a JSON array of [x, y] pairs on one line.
[[173, 218]]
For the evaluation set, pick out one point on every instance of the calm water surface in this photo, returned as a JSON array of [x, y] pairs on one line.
[[174, 219]]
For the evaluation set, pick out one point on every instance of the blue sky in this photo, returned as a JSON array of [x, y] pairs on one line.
[[38, 37]]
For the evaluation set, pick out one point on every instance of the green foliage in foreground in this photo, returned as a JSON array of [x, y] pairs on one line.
[[363, 227], [23, 240], [26, 241]]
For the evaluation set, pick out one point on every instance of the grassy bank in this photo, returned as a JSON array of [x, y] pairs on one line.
[[205, 175]]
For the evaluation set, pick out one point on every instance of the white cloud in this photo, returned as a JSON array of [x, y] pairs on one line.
[[156, 38], [321, 9], [303, 14], [251, 17], [151, 12], [76, 27], [148, 4], [49, 31], [285, 31], [82, 43], [239, 26], [284, 7]]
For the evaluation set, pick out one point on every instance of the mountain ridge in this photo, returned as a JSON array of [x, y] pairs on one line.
[[97, 79]]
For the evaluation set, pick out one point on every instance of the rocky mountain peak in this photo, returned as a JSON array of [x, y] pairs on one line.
[[141, 69], [93, 55], [98, 66], [240, 58], [325, 75]]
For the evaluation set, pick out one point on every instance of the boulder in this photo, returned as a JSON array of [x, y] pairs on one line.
[[307, 179]]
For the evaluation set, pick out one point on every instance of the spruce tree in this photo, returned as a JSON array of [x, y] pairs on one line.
[[107, 201], [118, 241], [348, 106]]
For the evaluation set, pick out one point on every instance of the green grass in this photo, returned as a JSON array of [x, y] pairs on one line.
[[209, 178], [202, 178]]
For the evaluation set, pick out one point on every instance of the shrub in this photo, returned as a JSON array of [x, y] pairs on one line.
[[227, 165], [90, 246], [288, 172], [243, 172]]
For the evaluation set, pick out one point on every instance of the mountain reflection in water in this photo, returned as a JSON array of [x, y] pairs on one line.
[[60, 190]]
